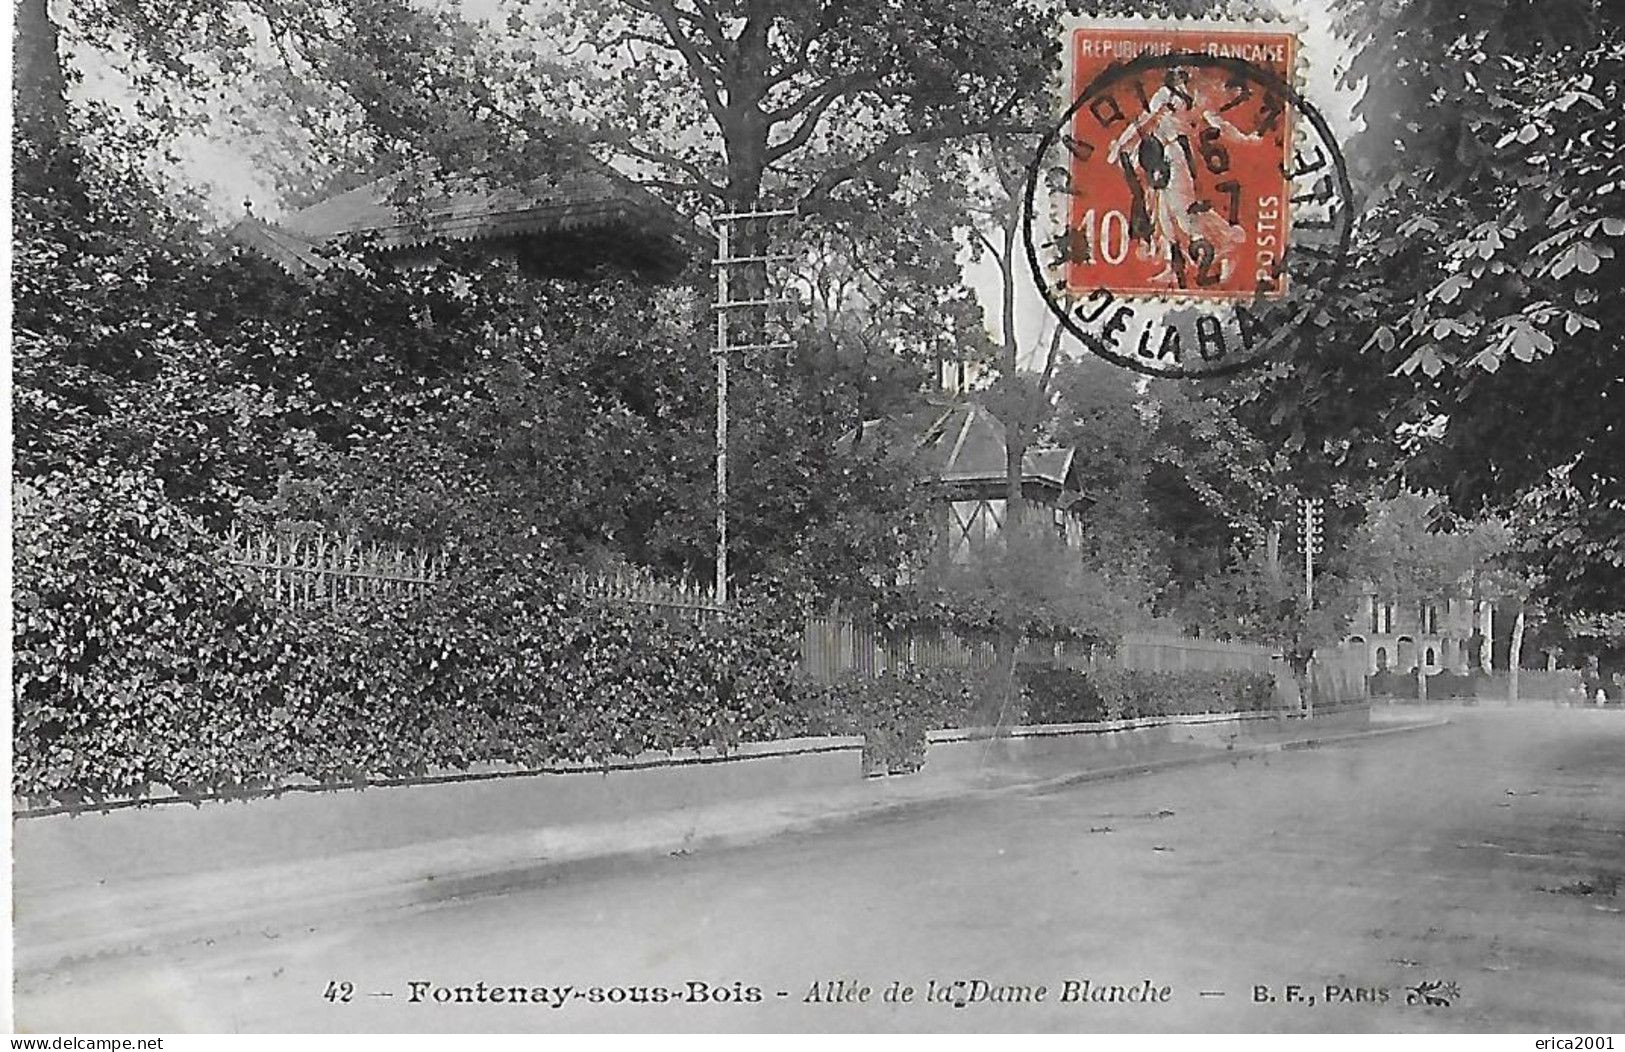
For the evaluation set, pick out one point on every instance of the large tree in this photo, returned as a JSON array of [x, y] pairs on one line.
[[430, 405], [1477, 340], [732, 99]]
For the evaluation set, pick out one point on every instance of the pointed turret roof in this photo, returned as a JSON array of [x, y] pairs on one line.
[[962, 444]]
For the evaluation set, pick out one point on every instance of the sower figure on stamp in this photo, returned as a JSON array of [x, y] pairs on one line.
[[1177, 130]]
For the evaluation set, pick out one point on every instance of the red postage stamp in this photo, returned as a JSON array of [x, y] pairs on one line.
[[1177, 175]]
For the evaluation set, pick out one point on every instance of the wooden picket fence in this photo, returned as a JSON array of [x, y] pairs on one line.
[[301, 569], [833, 646], [1166, 652]]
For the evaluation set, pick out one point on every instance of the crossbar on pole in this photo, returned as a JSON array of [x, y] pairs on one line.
[[764, 214], [775, 258]]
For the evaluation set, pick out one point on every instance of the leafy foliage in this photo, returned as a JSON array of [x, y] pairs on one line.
[[721, 97], [136, 658], [1030, 578], [143, 661], [459, 402], [455, 403], [1409, 559], [1192, 501], [1066, 695], [894, 710], [320, 95], [1475, 339]]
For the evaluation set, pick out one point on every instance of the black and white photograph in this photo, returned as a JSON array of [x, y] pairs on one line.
[[568, 517]]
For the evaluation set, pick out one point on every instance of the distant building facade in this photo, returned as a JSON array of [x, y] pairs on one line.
[[1445, 634]]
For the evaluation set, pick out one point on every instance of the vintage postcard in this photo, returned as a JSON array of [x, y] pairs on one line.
[[725, 517]]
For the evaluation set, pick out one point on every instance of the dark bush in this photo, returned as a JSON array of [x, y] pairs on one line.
[[1391, 684], [1450, 685], [894, 710], [1063, 695]]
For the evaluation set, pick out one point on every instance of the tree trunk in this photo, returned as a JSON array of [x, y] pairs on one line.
[[1014, 455], [745, 145], [45, 163], [1300, 660], [1515, 656], [40, 89]]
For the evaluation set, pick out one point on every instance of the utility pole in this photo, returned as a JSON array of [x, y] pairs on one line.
[[1313, 540], [750, 340], [1310, 520]]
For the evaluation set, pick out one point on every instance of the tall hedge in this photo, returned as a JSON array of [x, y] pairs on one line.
[[136, 658], [142, 660], [894, 710], [1064, 695]]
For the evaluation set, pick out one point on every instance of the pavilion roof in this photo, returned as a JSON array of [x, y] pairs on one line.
[[592, 214]]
